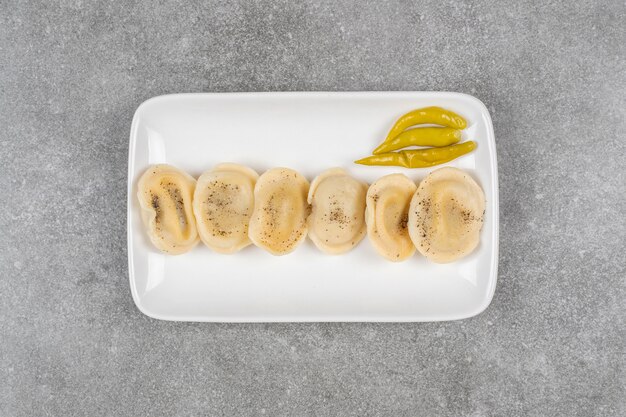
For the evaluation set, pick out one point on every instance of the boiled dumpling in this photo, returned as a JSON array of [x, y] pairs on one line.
[[446, 215], [222, 204], [278, 222], [337, 220], [165, 195], [387, 214]]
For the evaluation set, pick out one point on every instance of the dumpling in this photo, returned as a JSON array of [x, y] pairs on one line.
[[278, 222], [387, 214], [222, 204], [446, 215], [337, 220], [165, 195]]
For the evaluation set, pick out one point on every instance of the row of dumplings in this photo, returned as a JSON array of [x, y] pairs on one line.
[[231, 206]]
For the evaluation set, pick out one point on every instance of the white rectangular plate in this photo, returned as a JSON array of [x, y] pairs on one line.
[[309, 132]]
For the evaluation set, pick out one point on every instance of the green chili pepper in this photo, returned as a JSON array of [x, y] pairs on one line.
[[421, 136], [427, 115], [420, 158]]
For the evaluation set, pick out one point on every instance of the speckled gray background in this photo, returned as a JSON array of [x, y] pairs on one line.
[[552, 343]]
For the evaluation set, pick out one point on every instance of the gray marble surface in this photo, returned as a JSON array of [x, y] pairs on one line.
[[552, 343]]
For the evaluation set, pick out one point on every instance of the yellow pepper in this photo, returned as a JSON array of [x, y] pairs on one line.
[[421, 136], [427, 115], [420, 158]]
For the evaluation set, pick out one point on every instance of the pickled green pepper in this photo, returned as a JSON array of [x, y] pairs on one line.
[[421, 136], [427, 115], [420, 158]]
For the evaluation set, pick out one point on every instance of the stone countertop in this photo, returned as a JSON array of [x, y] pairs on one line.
[[553, 341]]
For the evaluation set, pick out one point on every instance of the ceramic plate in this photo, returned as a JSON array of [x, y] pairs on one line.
[[309, 132]]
